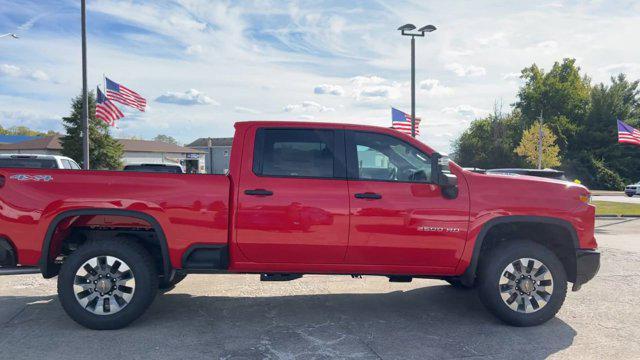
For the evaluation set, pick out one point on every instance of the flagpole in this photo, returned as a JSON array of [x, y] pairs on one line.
[[85, 99]]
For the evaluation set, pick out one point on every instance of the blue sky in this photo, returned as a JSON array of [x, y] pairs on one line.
[[204, 64]]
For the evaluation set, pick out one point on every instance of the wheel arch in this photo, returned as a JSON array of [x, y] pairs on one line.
[[49, 269], [468, 277]]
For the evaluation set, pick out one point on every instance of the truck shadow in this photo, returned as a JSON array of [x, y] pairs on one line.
[[432, 322]]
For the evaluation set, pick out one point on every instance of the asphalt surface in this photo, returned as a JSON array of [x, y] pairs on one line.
[[323, 317], [618, 198]]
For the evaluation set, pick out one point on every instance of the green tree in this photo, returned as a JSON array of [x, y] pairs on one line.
[[105, 152], [489, 142], [530, 146], [561, 96], [23, 130], [166, 138]]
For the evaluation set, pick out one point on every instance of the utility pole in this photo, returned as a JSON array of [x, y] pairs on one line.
[[421, 32], [540, 135], [85, 99]]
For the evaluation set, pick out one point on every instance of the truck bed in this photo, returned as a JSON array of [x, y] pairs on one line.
[[191, 209]]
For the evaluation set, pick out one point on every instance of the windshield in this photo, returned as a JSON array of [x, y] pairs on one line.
[[28, 163]]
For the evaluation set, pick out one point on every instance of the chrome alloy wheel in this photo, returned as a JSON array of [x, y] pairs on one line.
[[526, 285], [104, 285]]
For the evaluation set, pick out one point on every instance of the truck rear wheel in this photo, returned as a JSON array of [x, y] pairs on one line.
[[106, 284], [523, 283]]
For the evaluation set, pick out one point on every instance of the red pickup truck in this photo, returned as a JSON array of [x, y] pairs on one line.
[[300, 198]]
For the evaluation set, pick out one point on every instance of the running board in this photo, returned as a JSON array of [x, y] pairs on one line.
[[19, 270], [279, 277]]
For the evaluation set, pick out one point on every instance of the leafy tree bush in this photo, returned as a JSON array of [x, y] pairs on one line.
[[105, 152]]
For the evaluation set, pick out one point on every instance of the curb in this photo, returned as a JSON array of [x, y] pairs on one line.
[[617, 216]]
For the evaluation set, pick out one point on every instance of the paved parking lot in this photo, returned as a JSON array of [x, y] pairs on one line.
[[237, 317], [618, 198]]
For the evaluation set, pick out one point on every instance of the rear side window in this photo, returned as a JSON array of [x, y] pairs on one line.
[[296, 153], [32, 163], [66, 164]]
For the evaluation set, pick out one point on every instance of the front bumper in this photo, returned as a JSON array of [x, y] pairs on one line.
[[587, 266]]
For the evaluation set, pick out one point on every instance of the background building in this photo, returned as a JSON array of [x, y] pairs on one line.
[[135, 152], [217, 153]]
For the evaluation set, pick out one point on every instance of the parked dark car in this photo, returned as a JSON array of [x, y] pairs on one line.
[[161, 168], [545, 173]]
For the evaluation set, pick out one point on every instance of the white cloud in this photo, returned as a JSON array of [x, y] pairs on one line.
[[307, 106], [497, 39], [9, 70], [434, 88], [29, 24], [371, 88], [367, 80], [466, 70], [35, 120], [632, 70], [39, 75], [194, 49], [17, 72], [244, 110], [466, 111], [189, 97], [512, 76], [545, 46], [329, 89]]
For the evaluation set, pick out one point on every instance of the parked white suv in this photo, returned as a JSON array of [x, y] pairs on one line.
[[37, 161], [633, 189]]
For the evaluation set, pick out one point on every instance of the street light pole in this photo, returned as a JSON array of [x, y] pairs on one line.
[[413, 86], [421, 32], [85, 99]]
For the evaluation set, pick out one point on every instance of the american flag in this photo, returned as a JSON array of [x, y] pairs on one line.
[[627, 134], [124, 95], [402, 122], [106, 110]]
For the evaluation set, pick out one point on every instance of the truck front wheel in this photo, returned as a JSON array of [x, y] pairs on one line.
[[522, 283], [107, 284]]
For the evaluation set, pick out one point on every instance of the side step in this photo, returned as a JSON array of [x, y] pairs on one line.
[[279, 277], [400, 278], [19, 270]]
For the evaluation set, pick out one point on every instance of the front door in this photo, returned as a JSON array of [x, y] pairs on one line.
[[398, 217], [293, 204]]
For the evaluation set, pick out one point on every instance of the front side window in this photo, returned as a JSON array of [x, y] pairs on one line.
[[383, 157], [294, 153]]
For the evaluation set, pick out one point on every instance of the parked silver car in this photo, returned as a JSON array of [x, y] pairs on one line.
[[633, 189]]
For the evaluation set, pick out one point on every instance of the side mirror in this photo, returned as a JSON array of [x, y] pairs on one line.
[[443, 177]]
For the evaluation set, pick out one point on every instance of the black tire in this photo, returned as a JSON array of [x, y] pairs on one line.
[[141, 265], [165, 286], [629, 195], [490, 272]]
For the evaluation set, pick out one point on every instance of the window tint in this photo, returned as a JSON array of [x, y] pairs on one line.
[[383, 157], [294, 152], [28, 163]]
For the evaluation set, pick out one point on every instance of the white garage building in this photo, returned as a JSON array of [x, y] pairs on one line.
[[135, 152]]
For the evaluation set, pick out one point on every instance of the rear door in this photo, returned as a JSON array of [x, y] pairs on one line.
[[398, 216], [293, 204]]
